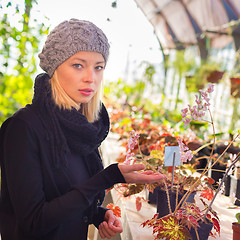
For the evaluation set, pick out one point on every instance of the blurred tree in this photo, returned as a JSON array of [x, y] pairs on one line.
[[20, 36]]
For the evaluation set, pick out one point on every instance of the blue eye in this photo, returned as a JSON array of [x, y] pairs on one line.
[[99, 67], [77, 65]]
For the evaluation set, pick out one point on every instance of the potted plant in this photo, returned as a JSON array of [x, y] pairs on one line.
[[236, 227], [188, 220], [176, 225], [235, 86], [208, 71], [211, 71]]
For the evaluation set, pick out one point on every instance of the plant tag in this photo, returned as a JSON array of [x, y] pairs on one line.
[[170, 159]]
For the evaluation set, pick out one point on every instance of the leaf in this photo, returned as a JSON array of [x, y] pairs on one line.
[[208, 194], [238, 217], [156, 154], [152, 186], [150, 222], [209, 180], [133, 189], [169, 228], [216, 225], [138, 203], [116, 209]]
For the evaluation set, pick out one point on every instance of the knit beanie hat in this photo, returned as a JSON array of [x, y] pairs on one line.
[[68, 38]]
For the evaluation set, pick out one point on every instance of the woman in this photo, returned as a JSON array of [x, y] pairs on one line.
[[52, 177]]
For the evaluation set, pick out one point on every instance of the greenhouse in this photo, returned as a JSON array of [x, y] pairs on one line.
[[120, 119]]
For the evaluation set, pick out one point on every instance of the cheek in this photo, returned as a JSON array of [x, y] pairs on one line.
[[65, 84]]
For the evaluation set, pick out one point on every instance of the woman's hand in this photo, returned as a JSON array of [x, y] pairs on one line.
[[111, 226], [131, 175]]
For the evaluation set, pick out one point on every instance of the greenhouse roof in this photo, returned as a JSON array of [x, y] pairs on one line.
[[181, 23]]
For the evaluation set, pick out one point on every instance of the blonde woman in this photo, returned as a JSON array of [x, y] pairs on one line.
[[52, 177]]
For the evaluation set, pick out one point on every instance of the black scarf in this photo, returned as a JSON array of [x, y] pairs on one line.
[[68, 130]]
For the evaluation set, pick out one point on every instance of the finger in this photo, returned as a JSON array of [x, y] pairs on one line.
[[143, 178], [108, 232], [130, 168], [148, 172], [110, 217], [117, 226], [152, 178], [101, 232]]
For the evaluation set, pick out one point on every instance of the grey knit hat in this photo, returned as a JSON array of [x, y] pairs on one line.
[[68, 38]]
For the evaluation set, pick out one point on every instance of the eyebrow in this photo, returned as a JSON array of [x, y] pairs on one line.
[[86, 61]]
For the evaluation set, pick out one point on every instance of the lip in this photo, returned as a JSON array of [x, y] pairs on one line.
[[86, 91]]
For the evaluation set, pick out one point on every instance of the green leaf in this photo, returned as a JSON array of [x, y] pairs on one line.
[[238, 217]]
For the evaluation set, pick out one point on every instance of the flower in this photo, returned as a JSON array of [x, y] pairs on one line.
[[132, 142], [186, 154], [198, 111]]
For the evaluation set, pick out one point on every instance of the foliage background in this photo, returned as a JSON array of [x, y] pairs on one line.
[[19, 45]]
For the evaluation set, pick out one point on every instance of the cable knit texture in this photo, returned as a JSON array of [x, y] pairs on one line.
[[68, 38]]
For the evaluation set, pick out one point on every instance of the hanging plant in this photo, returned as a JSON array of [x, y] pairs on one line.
[[235, 87], [208, 71], [215, 76]]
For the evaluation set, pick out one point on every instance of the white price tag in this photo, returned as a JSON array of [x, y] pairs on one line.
[[169, 156]]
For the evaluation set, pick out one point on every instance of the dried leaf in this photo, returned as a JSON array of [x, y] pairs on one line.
[[133, 189]]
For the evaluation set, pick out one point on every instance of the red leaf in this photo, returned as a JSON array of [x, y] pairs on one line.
[[116, 210], [138, 203], [208, 194], [216, 225], [209, 180]]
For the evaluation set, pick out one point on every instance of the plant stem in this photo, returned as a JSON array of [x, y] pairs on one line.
[[196, 234], [168, 199]]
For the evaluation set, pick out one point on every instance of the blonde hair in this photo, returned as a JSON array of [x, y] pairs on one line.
[[90, 110]]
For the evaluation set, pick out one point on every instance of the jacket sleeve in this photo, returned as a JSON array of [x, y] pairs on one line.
[[99, 218], [22, 167]]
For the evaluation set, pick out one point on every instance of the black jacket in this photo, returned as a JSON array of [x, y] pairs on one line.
[[39, 200]]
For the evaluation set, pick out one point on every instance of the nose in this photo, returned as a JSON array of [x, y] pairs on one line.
[[89, 76]]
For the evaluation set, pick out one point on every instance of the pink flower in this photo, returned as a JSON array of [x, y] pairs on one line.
[[184, 112], [132, 142], [210, 88], [186, 121], [186, 154], [197, 112]]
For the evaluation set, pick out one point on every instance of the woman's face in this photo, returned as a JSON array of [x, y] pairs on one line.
[[80, 76]]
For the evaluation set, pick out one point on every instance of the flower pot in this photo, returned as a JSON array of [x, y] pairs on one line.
[[162, 202], [235, 87], [215, 76], [236, 231], [217, 173], [203, 231], [152, 196], [227, 184]]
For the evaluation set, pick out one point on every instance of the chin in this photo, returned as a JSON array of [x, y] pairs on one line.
[[84, 101]]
